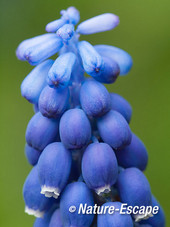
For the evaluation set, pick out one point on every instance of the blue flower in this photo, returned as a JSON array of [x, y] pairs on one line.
[[54, 169], [116, 219]]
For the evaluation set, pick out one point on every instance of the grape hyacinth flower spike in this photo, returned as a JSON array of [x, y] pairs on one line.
[[80, 132]]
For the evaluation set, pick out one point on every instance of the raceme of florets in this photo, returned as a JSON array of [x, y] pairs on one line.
[[79, 141]]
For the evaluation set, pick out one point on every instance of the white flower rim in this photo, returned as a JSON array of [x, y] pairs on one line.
[[103, 190], [50, 191], [36, 213], [139, 217]]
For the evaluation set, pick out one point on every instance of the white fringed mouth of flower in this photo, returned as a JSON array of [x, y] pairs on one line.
[[103, 190], [36, 213], [139, 217], [50, 191]]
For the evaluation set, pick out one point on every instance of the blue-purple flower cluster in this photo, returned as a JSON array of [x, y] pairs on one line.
[[79, 141]]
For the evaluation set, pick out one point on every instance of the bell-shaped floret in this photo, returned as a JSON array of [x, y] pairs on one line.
[[99, 167], [60, 73], [34, 83], [133, 155], [72, 15], [53, 101], [114, 218], [121, 105], [40, 52], [101, 23], [53, 26], [75, 129], [32, 155], [54, 169], [56, 219], [66, 32], [35, 203], [92, 62], [134, 189], [94, 98], [114, 129], [41, 131], [123, 59], [158, 220], [74, 195]]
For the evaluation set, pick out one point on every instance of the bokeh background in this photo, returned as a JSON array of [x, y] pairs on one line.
[[143, 31]]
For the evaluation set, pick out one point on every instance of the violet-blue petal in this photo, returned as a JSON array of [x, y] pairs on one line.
[[121, 105], [56, 220], [116, 219], [101, 23], [54, 167], [60, 73], [92, 62], [123, 59], [109, 73], [75, 194], [71, 14], [45, 221], [75, 129], [53, 101], [94, 98], [32, 42], [38, 53], [133, 155], [66, 32], [35, 81], [99, 167], [114, 129], [55, 25], [158, 220], [32, 155], [35, 203], [132, 181], [41, 131]]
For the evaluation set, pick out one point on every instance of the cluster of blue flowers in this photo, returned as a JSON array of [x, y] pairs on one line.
[[79, 141]]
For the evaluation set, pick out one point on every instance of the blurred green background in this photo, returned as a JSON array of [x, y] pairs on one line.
[[144, 32]]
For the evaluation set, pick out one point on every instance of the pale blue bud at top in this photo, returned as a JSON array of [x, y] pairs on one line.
[[121, 105], [75, 129], [60, 73], [54, 169], [41, 131], [135, 192], [32, 42], [114, 129], [97, 24], [116, 219], [94, 98], [55, 25], [38, 53], [99, 167], [53, 101], [35, 203], [158, 220], [34, 83], [71, 14], [32, 155], [75, 194], [66, 32], [92, 62], [109, 73], [133, 155], [123, 59], [56, 220]]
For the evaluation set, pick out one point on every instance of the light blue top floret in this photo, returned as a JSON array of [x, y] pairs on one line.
[[102, 62]]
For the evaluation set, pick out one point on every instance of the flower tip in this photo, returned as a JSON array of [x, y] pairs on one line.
[[50, 192], [36, 213]]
